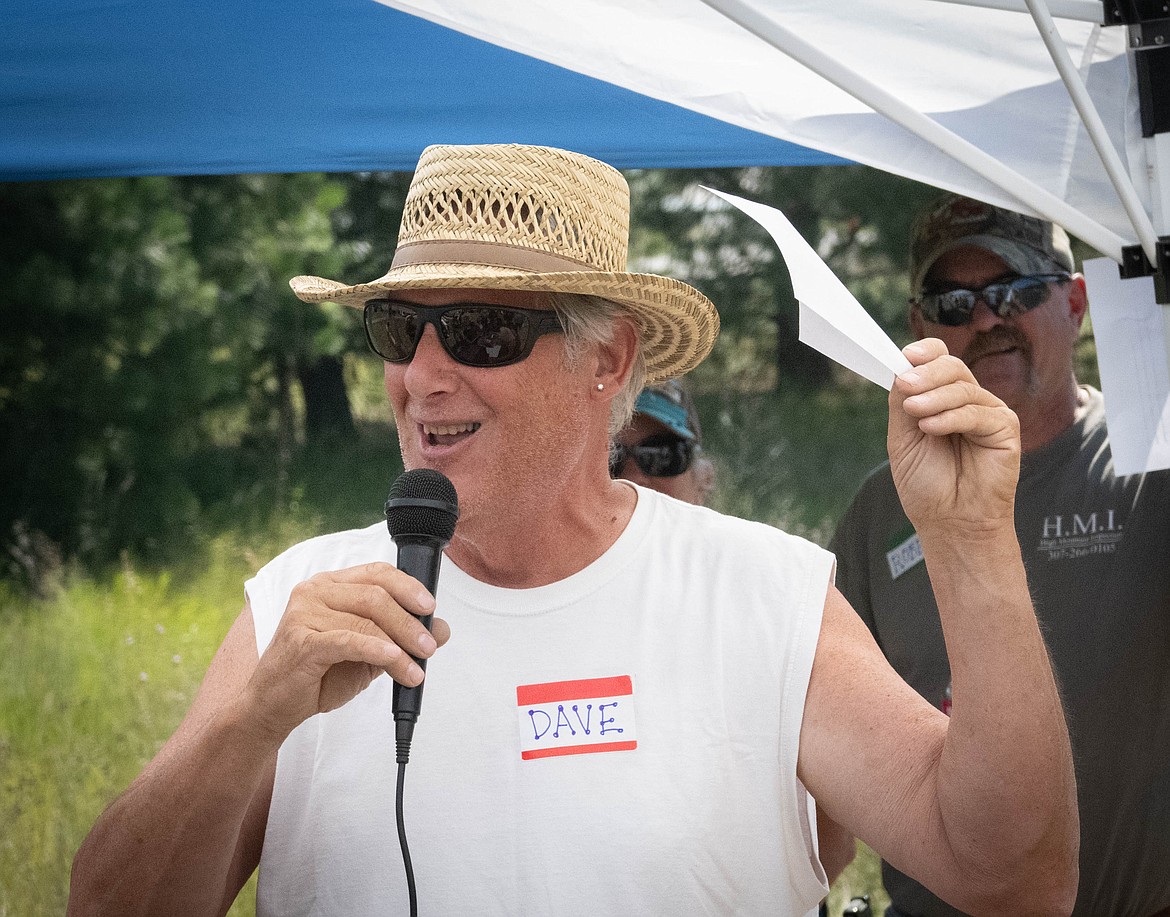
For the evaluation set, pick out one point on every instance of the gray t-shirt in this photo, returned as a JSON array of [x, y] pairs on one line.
[[1097, 551]]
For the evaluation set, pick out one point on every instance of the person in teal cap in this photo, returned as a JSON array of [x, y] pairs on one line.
[[661, 447]]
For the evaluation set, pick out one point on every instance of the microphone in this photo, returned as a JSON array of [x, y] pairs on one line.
[[420, 513]]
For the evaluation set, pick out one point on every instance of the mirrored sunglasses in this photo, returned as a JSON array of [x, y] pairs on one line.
[[660, 456], [473, 334], [1004, 298]]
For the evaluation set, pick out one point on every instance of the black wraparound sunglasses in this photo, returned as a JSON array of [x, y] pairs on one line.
[[474, 334], [1004, 297], [660, 456]]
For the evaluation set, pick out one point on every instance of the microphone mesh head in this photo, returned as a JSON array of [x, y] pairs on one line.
[[422, 503]]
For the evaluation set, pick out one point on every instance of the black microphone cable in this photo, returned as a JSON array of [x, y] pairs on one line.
[[410, 890], [421, 512]]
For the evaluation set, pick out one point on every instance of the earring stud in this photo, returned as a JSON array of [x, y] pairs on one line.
[[601, 386]]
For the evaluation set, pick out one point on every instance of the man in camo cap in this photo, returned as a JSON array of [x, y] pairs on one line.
[[999, 289]]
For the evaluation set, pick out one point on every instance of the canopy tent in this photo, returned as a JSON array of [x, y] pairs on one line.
[[97, 88]]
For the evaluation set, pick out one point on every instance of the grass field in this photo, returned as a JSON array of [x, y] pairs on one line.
[[94, 678], [91, 683]]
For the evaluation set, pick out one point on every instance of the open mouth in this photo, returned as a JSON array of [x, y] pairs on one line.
[[447, 434]]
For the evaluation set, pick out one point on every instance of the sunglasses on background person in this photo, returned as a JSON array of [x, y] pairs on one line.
[[663, 455], [473, 334], [1003, 297]]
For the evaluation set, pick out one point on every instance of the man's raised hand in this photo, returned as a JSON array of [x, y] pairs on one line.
[[954, 447]]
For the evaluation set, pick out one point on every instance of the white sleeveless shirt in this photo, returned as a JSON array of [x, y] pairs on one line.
[[623, 741]]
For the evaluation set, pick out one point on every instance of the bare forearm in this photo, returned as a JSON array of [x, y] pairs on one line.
[[1006, 789], [168, 844], [836, 846]]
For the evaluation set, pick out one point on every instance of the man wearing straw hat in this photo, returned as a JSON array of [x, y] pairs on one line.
[[641, 698]]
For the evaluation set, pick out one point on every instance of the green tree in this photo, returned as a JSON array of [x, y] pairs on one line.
[[366, 223], [250, 234], [149, 335], [99, 384]]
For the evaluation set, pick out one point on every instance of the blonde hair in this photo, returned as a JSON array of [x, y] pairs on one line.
[[589, 321]]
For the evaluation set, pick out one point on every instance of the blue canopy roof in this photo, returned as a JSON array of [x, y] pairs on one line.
[[97, 87]]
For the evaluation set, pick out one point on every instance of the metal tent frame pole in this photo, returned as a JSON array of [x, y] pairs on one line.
[[1091, 119], [1149, 53]]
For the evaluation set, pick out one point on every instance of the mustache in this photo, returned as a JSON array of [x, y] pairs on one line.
[[995, 340]]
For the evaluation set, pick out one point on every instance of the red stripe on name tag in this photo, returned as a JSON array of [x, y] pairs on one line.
[[581, 689], [577, 750]]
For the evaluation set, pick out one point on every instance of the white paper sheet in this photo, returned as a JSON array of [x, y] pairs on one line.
[[1128, 326], [832, 321]]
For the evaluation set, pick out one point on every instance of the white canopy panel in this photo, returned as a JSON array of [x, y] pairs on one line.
[[982, 73]]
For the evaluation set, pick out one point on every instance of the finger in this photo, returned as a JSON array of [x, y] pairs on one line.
[[404, 588], [992, 426], [424, 644], [923, 375], [370, 602], [941, 370], [440, 630], [327, 648], [329, 637], [924, 351], [947, 397]]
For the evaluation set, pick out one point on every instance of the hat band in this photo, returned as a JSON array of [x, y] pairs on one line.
[[495, 254]]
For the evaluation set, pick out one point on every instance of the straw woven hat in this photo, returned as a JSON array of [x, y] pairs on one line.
[[510, 217]]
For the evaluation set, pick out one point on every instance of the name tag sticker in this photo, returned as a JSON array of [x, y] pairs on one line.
[[581, 717], [904, 556]]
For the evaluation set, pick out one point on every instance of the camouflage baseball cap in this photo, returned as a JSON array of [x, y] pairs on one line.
[[1026, 244], [672, 406]]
